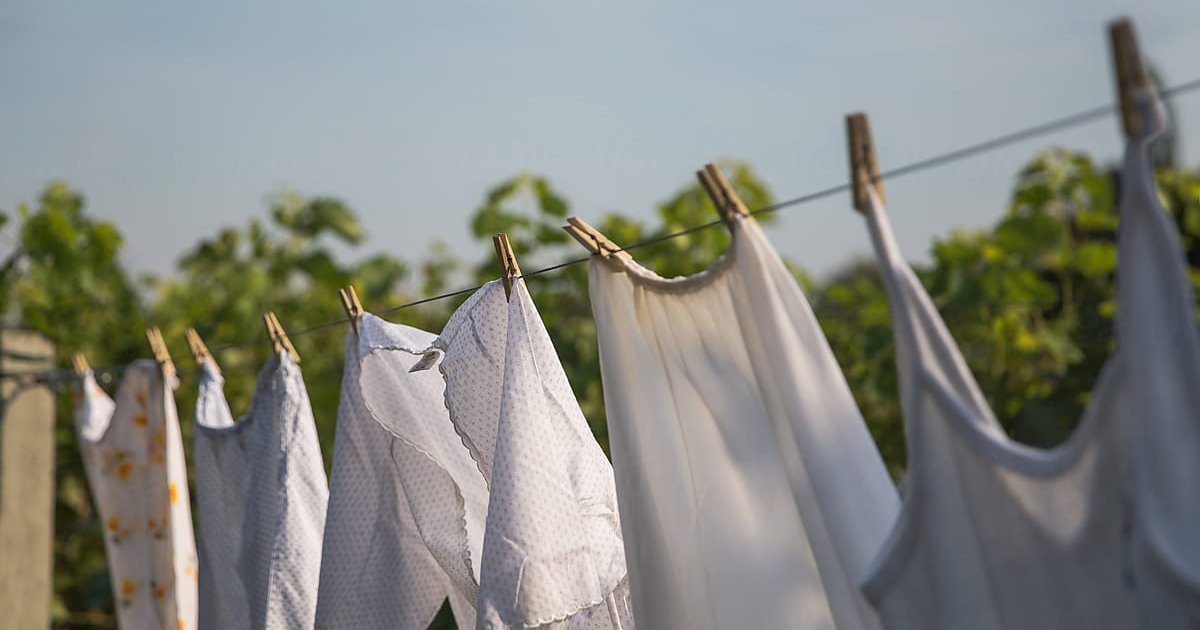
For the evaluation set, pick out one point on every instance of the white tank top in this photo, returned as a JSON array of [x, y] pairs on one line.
[[1099, 532]]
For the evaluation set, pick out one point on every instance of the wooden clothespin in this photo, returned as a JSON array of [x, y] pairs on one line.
[[278, 336], [721, 192], [509, 269], [80, 363], [593, 240], [158, 346], [353, 307], [1132, 78], [864, 169], [200, 351]]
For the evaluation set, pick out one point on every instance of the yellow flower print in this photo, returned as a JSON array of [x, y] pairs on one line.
[[173, 492], [124, 469], [157, 452], [190, 569], [151, 523], [182, 625], [140, 420], [114, 524], [128, 590], [160, 592], [141, 398]]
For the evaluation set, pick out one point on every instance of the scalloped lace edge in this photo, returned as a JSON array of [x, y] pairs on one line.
[[460, 500]]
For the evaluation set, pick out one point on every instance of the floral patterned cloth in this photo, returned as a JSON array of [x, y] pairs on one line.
[[133, 455]]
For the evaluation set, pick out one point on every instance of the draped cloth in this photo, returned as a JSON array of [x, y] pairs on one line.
[[751, 492], [261, 495], [133, 456], [1099, 532], [404, 530], [552, 551]]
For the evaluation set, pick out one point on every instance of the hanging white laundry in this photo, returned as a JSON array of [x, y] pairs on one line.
[[221, 469], [751, 493], [133, 456], [261, 495], [997, 535], [407, 503], [552, 551], [1160, 342]]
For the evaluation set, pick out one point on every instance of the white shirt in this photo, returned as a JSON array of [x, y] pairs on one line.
[[751, 493], [261, 495], [134, 461]]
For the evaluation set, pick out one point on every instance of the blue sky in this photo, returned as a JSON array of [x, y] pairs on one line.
[[178, 120]]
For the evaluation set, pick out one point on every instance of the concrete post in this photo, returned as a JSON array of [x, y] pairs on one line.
[[26, 481]]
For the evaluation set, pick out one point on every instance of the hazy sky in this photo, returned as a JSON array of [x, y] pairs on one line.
[[177, 120]]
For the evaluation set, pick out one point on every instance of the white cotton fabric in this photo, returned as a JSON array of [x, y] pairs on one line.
[[1160, 342], [552, 551], [1099, 532], [261, 495], [407, 504], [133, 456], [751, 493]]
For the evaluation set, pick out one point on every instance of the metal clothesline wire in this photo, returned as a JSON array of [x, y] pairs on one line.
[[948, 157]]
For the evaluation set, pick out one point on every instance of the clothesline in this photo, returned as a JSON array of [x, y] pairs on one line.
[[55, 376]]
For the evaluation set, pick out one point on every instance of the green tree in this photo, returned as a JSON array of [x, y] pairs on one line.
[[65, 280]]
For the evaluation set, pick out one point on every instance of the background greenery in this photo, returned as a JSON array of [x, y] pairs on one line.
[[1030, 301]]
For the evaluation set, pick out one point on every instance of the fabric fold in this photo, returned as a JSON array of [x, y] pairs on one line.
[[1160, 340], [750, 490], [407, 504]]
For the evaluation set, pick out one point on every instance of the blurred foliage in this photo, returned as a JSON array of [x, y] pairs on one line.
[[1030, 302]]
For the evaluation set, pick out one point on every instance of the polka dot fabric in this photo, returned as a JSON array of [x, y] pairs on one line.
[[377, 569], [262, 494], [220, 468], [552, 551], [446, 494]]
